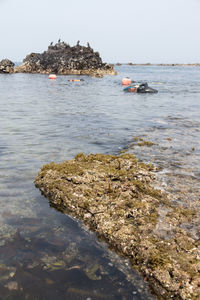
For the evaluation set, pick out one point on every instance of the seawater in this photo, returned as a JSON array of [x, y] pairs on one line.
[[45, 254]]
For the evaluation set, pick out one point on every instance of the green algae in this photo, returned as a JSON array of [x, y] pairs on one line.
[[91, 272], [157, 259], [57, 265], [146, 143], [141, 142], [182, 214], [148, 166]]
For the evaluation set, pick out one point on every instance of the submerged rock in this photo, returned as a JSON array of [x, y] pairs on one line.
[[63, 59], [6, 66], [113, 196]]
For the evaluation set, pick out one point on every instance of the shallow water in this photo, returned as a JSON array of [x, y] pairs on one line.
[[44, 254]]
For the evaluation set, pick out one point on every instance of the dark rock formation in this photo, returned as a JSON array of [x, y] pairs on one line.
[[6, 66], [63, 59]]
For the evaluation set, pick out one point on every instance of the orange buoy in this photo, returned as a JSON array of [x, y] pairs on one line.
[[52, 76], [126, 81]]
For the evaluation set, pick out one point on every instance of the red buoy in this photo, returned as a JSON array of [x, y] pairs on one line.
[[126, 81], [52, 76]]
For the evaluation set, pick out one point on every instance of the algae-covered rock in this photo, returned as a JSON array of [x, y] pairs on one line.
[[6, 66], [63, 59], [113, 196]]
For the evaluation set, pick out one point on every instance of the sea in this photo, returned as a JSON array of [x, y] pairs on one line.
[[45, 254]]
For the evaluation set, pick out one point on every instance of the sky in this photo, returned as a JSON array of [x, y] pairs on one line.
[[137, 31]]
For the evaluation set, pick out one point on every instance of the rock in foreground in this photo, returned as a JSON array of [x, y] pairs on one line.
[[63, 59], [6, 66], [113, 196]]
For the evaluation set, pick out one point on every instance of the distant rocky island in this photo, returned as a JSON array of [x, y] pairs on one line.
[[160, 64], [63, 59]]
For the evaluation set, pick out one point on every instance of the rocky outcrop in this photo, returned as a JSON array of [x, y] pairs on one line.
[[113, 195], [63, 59], [6, 66]]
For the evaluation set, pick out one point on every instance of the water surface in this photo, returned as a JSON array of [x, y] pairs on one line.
[[44, 254]]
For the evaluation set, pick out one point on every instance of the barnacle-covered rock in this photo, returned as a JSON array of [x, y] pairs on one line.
[[6, 66], [113, 195], [63, 59]]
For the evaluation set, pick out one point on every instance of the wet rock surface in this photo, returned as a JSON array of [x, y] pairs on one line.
[[61, 58], [114, 196], [6, 66]]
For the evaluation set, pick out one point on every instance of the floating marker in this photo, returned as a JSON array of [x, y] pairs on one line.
[[126, 81], [52, 76]]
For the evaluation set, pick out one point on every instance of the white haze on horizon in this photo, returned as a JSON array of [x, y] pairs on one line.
[[131, 31]]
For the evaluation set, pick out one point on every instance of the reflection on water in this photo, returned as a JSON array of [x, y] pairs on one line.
[[44, 254]]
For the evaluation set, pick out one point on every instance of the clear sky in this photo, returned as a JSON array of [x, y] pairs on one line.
[[137, 31]]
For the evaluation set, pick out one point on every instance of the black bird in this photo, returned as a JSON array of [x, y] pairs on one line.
[[59, 41]]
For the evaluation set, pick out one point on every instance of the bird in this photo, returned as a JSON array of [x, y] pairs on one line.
[[59, 41]]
